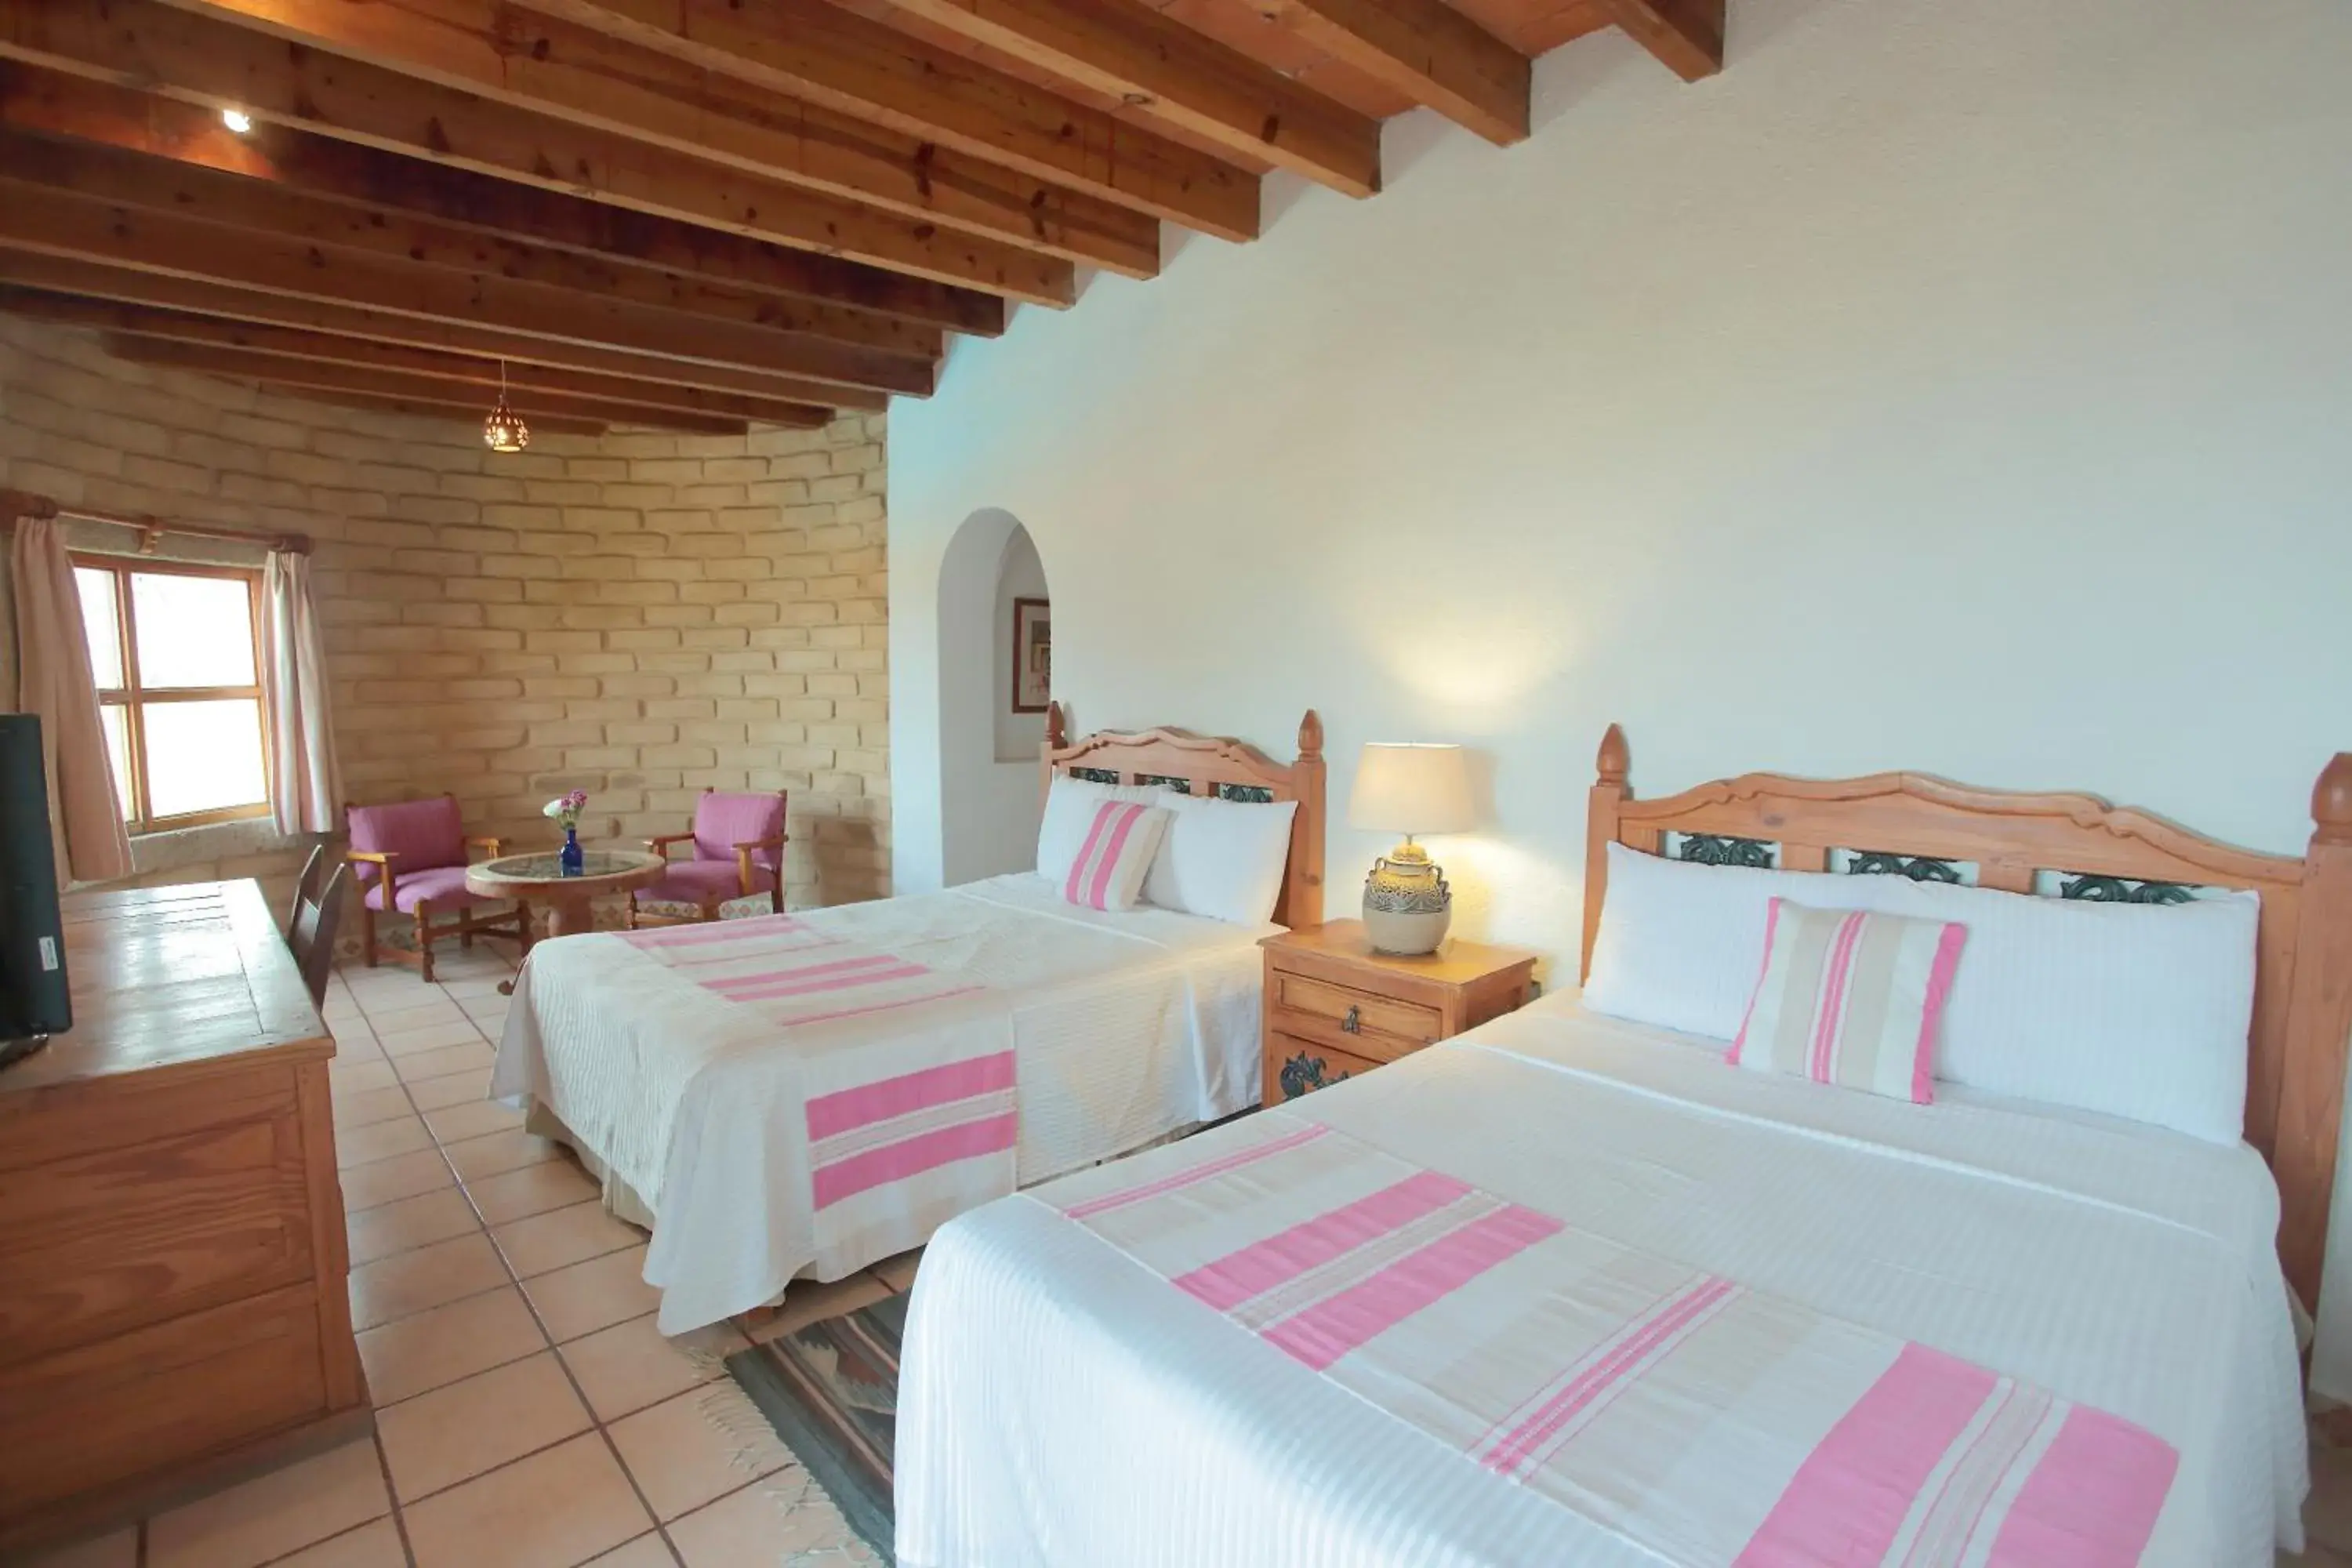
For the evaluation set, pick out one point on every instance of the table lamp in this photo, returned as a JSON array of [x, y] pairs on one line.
[[1409, 789]]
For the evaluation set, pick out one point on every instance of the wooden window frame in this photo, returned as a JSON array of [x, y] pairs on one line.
[[133, 698]]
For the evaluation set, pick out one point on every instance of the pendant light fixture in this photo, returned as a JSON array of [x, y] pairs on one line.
[[503, 430]]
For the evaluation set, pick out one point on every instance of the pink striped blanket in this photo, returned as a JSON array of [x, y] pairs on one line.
[[899, 1122], [1708, 1423]]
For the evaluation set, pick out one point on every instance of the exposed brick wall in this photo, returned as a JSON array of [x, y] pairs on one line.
[[636, 615]]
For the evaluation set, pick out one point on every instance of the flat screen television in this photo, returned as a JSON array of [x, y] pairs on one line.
[[34, 1001]]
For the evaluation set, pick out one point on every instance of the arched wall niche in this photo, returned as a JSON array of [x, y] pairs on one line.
[[989, 804]]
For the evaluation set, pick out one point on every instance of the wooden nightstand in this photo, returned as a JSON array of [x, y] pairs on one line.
[[1334, 1008]]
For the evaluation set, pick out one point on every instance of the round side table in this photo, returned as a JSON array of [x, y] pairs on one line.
[[539, 879]]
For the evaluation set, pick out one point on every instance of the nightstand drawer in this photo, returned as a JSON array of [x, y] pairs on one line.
[[1334, 1008], [1382, 1026], [1295, 1067]]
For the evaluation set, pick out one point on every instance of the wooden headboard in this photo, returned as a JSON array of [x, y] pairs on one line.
[[2071, 845], [1205, 766]]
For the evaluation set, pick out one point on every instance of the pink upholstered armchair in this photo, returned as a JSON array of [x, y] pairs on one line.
[[410, 859], [738, 851]]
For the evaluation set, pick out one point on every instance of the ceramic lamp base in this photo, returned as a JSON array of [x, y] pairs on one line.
[[1405, 936], [1407, 905]]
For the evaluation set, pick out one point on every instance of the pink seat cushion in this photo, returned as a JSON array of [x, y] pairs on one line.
[[445, 885], [702, 881], [723, 821]]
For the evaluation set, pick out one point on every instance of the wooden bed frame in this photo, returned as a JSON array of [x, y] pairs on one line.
[[1205, 766], [2303, 986]]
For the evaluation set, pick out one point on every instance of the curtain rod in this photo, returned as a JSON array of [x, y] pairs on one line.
[[14, 504]]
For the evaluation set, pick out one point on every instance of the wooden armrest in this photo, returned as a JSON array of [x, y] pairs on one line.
[[660, 839], [743, 853], [484, 841], [383, 860]]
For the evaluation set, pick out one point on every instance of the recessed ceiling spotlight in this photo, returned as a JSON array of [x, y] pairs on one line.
[[237, 119]]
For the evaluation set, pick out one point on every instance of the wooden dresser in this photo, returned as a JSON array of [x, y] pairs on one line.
[[1334, 1008], [173, 1305]]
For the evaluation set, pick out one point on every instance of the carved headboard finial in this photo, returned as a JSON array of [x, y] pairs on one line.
[[1058, 734], [1615, 760], [2331, 800], [1310, 734]]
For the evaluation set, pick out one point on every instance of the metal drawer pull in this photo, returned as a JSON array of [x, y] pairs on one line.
[[1353, 1024]]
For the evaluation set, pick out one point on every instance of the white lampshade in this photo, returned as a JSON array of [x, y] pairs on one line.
[[1411, 789]]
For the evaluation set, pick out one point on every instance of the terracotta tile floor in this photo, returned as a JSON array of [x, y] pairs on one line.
[[527, 1412]]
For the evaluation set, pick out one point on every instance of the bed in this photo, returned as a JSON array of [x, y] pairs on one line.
[[802, 1095], [2121, 1290]]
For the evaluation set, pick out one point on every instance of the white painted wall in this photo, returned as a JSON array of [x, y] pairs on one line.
[[1956, 385], [1019, 575]]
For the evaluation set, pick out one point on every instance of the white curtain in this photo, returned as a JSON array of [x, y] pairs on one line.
[[294, 672], [55, 683]]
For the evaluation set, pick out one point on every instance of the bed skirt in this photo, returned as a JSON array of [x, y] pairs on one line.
[[621, 1200]]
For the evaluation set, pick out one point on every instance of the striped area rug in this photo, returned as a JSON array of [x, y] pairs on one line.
[[831, 1390]]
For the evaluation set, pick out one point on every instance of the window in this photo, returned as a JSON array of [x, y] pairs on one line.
[[176, 653]]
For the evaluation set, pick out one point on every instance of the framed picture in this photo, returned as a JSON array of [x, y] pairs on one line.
[[1033, 655]]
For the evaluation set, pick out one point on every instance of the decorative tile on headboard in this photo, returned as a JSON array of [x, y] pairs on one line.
[[1095, 775], [1918, 868], [1248, 794], [2094, 890], [1181, 786], [1722, 849]]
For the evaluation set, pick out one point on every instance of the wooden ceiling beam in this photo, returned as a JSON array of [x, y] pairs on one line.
[[1163, 67], [550, 67], [1424, 49], [862, 68], [54, 103], [133, 179], [201, 59], [212, 333], [55, 222], [226, 302], [444, 413], [1685, 34], [525, 392]]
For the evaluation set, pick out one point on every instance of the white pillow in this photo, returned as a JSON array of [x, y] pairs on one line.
[[1223, 858], [1070, 812], [2134, 1010], [1680, 944]]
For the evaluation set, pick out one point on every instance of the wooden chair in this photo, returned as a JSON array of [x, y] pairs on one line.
[[739, 850], [410, 858], [306, 891], [317, 914]]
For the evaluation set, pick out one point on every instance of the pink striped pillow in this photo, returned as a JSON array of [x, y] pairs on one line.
[[1116, 855], [1851, 998]]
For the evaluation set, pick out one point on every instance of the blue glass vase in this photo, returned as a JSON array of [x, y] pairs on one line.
[[573, 861]]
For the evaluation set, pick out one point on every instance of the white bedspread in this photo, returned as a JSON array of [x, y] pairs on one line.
[[1126, 1027], [1060, 1404]]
